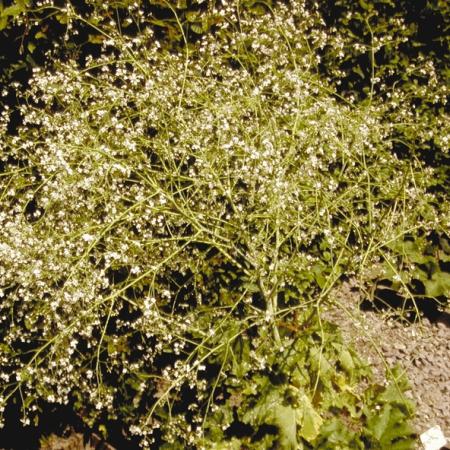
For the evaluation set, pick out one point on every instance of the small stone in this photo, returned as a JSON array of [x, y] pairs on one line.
[[400, 346], [385, 347], [433, 439]]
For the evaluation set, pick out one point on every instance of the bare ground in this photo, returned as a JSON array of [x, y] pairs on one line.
[[422, 349]]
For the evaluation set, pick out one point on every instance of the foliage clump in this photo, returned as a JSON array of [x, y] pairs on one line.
[[171, 223]]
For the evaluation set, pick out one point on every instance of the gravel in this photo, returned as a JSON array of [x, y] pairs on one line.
[[421, 348]]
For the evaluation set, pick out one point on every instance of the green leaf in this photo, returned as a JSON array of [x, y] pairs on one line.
[[160, 23], [336, 435], [96, 38], [444, 244], [438, 285], [103, 431], [308, 419], [28, 401], [318, 275], [234, 444], [13, 10], [404, 444], [320, 363], [366, 6], [393, 394], [345, 358], [389, 428], [62, 19], [191, 16], [198, 27], [346, 361], [285, 420], [3, 22], [379, 423], [251, 287], [23, 3], [398, 429]]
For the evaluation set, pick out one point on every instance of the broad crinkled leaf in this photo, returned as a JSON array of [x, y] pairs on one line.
[[308, 419], [270, 410], [285, 419], [378, 424], [438, 285]]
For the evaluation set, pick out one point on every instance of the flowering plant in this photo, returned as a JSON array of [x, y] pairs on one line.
[[161, 208]]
